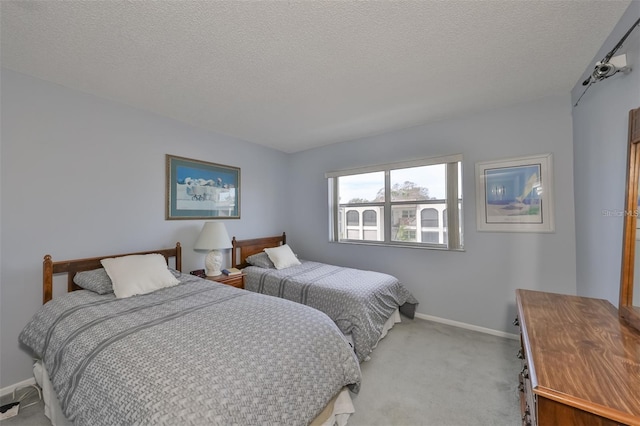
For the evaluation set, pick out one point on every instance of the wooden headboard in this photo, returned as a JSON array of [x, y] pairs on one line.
[[72, 267], [245, 248]]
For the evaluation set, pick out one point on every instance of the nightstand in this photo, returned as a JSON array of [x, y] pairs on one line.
[[232, 280]]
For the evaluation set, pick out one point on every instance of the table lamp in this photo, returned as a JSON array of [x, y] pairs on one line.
[[213, 238]]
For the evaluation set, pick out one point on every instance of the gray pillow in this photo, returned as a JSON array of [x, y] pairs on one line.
[[261, 260], [95, 280], [175, 272]]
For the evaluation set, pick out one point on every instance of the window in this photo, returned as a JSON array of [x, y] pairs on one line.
[[353, 234], [369, 218], [353, 218], [413, 203], [429, 218], [430, 237], [370, 234], [409, 215], [407, 235]]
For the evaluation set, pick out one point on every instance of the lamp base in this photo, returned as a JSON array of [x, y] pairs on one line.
[[213, 261]]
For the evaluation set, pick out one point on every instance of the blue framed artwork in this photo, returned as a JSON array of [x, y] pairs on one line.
[[515, 195], [200, 190]]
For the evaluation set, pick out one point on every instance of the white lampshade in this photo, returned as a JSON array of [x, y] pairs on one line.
[[213, 237]]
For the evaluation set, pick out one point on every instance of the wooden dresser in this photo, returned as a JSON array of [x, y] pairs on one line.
[[580, 362]]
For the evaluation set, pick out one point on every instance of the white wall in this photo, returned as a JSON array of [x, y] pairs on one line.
[[82, 176], [600, 131], [478, 285]]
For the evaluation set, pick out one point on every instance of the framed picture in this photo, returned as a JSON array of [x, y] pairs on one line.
[[201, 190], [515, 195]]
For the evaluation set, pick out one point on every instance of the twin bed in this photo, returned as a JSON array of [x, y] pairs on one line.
[[195, 353], [363, 304], [200, 352]]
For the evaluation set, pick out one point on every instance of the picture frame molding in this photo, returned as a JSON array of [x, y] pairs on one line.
[[511, 224]]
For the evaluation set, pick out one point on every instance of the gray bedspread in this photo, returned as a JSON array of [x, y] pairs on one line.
[[358, 301], [197, 353]]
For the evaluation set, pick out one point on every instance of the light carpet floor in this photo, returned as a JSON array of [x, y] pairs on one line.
[[422, 373], [426, 373]]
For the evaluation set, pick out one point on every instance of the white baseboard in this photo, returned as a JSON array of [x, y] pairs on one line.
[[468, 326], [23, 384]]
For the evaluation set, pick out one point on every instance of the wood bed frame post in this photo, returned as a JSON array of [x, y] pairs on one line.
[[178, 257], [47, 279], [233, 251]]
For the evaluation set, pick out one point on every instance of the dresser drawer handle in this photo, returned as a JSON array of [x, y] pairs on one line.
[[516, 322], [520, 354]]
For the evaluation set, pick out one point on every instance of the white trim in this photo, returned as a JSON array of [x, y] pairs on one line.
[[23, 384], [468, 326], [453, 208]]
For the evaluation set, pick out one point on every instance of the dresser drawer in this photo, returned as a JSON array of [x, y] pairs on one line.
[[232, 280]]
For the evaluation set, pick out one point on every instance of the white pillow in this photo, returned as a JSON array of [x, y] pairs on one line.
[[282, 257], [138, 274]]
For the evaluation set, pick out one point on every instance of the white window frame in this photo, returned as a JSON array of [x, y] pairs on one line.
[[454, 202]]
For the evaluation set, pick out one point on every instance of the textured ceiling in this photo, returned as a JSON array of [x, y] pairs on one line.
[[296, 75]]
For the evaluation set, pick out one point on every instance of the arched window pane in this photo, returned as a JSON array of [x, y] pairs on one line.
[[429, 218], [369, 218], [353, 219]]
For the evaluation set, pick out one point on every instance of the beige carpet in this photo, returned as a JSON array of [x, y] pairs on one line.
[[425, 373], [422, 373]]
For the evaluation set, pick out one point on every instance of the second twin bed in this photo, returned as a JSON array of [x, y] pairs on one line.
[[363, 304]]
